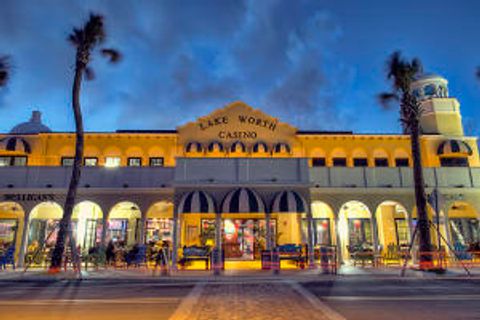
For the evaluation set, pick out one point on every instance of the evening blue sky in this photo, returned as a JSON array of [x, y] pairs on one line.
[[315, 64]]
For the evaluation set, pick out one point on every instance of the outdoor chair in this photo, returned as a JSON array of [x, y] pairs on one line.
[[8, 258], [195, 253], [138, 258], [392, 256]]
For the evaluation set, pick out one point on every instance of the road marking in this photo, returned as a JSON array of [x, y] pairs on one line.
[[185, 309], [404, 298], [316, 303], [164, 300]]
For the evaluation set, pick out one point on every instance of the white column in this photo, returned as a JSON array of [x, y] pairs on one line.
[[268, 230], [218, 242], [143, 225], [175, 236], [23, 242], [311, 253]]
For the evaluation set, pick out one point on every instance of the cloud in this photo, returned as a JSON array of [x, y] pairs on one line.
[[182, 59]]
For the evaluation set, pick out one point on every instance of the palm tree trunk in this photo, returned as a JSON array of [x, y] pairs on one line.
[[420, 197], [65, 223]]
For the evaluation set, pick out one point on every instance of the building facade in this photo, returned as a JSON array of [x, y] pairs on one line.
[[222, 179]]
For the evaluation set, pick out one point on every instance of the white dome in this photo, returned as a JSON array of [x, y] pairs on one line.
[[34, 125], [430, 85]]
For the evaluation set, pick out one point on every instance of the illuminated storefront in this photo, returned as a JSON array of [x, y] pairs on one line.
[[220, 180]]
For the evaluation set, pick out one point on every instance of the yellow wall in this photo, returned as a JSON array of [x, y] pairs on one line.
[[49, 148]]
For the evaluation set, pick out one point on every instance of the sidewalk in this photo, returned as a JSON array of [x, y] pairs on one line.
[[142, 274]]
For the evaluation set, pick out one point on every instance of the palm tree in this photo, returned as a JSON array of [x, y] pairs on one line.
[[4, 70], [402, 73], [85, 41]]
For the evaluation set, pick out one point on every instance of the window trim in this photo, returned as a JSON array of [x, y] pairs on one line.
[[113, 157], [65, 158], [339, 158], [90, 158], [323, 161], [376, 162], [132, 158], [402, 159], [360, 165], [155, 158]]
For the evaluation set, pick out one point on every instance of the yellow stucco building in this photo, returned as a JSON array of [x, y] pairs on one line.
[[242, 169]]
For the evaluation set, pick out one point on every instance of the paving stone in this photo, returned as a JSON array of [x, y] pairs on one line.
[[273, 301]]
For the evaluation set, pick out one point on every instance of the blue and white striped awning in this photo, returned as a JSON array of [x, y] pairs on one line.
[[289, 201], [196, 202], [17, 144], [243, 200], [454, 147]]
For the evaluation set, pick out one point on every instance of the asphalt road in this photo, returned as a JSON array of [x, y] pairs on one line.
[[89, 300], [400, 299], [352, 298]]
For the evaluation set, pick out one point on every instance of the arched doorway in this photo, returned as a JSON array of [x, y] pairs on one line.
[[323, 224], [11, 224], [124, 223], [393, 225], [44, 224], [159, 224], [87, 224], [464, 225], [355, 229]]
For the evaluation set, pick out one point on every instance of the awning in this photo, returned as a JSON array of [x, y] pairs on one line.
[[193, 147], [260, 147], [238, 146], [15, 144], [454, 147], [289, 201], [196, 202], [215, 145], [282, 148], [243, 200]]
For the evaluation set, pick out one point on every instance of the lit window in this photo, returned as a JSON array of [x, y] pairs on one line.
[[19, 161], [90, 162], [318, 162], [134, 162], [112, 162], [156, 162], [67, 161], [5, 161]]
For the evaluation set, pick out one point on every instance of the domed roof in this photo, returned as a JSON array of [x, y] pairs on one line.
[[34, 125], [429, 77]]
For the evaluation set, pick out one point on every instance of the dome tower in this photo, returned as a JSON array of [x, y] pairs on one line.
[[441, 114], [34, 125]]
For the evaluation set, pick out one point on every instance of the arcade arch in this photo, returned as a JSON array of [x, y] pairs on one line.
[[11, 223], [355, 228], [124, 223], [393, 225]]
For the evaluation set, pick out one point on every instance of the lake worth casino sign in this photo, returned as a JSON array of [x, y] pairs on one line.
[[237, 122]]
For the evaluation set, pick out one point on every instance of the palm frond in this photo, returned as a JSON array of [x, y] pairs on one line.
[[386, 99], [112, 55], [89, 74], [4, 70]]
